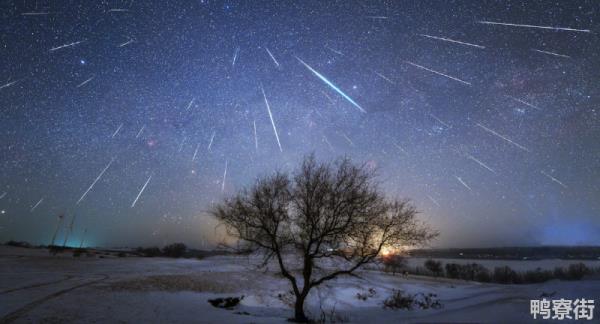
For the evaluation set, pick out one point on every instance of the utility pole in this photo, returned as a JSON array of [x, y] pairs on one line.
[[60, 219], [69, 230], [82, 238]]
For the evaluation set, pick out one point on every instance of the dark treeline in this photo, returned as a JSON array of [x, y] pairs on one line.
[[513, 253], [477, 272]]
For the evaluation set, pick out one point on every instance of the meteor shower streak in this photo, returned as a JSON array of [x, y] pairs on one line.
[[503, 137], [438, 73], [535, 26], [272, 57], [96, 180], [554, 179], [65, 46], [452, 41], [35, 206], [224, 177], [140, 193], [271, 118], [330, 84]]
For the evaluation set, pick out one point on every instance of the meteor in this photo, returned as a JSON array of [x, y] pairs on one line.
[[439, 121], [140, 132], [8, 84], [524, 102], [400, 148], [255, 137], [93, 183], [334, 50], [117, 131], [211, 141], [35, 13], [433, 200], [235, 55], [84, 82], [190, 104], [224, 177], [550, 53], [452, 41], [384, 77], [347, 139], [35, 206], [463, 183], [438, 73], [195, 152], [481, 163], [328, 97], [272, 57], [181, 145], [503, 137], [327, 141], [140, 193], [534, 26], [333, 86], [554, 179], [271, 117], [127, 42], [64, 46]]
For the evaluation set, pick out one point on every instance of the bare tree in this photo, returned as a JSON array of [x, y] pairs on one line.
[[320, 212]]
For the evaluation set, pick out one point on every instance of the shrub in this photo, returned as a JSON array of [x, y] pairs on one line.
[[149, 252], [78, 252], [482, 274], [227, 302], [538, 275], [394, 263], [332, 317], [22, 244], [506, 275], [398, 301], [366, 295], [427, 301], [559, 273], [175, 250], [576, 271], [453, 270], [434, 266], [54, 249]]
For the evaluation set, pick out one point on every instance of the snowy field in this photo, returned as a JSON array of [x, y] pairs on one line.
[[36, 287]]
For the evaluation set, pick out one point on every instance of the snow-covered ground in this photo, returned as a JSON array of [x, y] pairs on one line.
[[36, 287]]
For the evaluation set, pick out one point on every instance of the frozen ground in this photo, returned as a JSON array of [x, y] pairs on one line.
[[35, 287]]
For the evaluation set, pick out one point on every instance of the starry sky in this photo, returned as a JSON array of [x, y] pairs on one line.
[[136, 116]]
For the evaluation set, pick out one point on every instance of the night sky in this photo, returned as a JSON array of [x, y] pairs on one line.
[[135, 116]]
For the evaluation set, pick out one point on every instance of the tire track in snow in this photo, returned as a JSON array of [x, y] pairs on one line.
[[27, 308], [68, 277]]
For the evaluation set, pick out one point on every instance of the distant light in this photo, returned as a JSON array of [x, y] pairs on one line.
[[386, 251], [3, 211], [82, 62]]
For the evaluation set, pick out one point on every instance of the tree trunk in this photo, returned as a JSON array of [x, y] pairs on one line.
[[299, 315]]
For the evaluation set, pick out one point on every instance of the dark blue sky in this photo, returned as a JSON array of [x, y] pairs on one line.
[[491, 129]]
